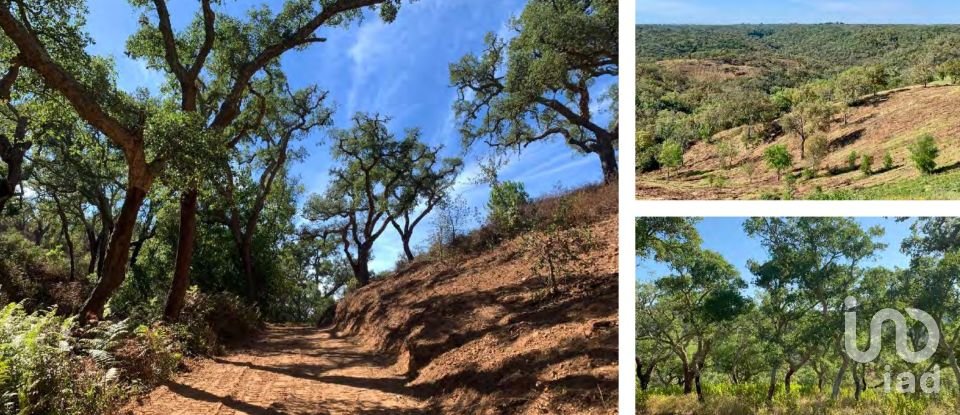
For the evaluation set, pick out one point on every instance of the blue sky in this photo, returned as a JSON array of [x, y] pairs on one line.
[[398, 69], [797, 11], [726, 236]]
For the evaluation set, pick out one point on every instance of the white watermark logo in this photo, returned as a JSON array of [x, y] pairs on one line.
[[906, 382]]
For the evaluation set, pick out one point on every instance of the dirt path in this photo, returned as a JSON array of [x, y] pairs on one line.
[[290, 370]]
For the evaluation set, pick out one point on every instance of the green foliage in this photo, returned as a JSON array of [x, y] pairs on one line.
[[671, 155], [778, 158], [923, 153], [211, 321], [40, 374], [726, 152], [818, 149], [526, 88], [507, 200], [866, 164], [852, 160], [887, 160]]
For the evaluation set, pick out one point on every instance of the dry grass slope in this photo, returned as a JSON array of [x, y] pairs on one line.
[[885, 124]]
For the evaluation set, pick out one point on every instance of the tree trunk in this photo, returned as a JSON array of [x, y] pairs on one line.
[[773, 383], [608, 161], [787, 378], [94, 247], [645, 373], [406, 245], [102, 252], [839, 379], [696, 380], [856, 382], [254, 287], [361, 267], [65, 227], [803, 146], [687, 379], [181, 270], [117, 253]]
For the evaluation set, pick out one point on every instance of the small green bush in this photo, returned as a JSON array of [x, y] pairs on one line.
[[923, 153], [866, 165], [852, 160], [671, 155], [507, 200], [778, 158], [887, 161]]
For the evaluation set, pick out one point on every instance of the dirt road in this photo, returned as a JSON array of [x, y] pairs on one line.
[[290, 370]]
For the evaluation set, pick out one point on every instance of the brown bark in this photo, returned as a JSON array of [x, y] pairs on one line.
[[181, 271], [115, 261]]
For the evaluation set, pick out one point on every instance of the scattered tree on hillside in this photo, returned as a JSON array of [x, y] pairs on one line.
[[811, 112], [427, 185], [507, 200], [540, 84], [356, 207], [670, 156], [778, 158], [924, 153], [950, 70]]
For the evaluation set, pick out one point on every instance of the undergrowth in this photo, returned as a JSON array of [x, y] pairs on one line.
[[50, 365]]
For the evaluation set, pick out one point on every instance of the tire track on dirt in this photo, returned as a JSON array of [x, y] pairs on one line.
[[288, 370]]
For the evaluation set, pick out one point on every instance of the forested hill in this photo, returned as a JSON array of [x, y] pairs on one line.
[[818, 47]]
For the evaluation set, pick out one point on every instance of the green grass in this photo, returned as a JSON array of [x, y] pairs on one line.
[[944, 186]]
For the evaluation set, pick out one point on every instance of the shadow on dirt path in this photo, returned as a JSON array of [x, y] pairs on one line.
[[289, 370]]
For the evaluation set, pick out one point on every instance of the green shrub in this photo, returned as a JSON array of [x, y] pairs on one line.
[[670, 156], [923, 153], [852, 160], [887, 160], [211, 321], [507, 200], [866, 165], [809, 174], [40, 374], [717, 180], [778, 158]]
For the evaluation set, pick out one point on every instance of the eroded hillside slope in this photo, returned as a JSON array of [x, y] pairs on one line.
[[885, 124], [480, 333]]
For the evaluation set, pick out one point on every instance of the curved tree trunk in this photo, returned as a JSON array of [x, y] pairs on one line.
[[117, 255], [839, 379], [181, 270], [608, 161]]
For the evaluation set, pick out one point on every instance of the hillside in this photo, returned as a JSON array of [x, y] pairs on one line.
[[887, 124], [480, 335], [475, 333]]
